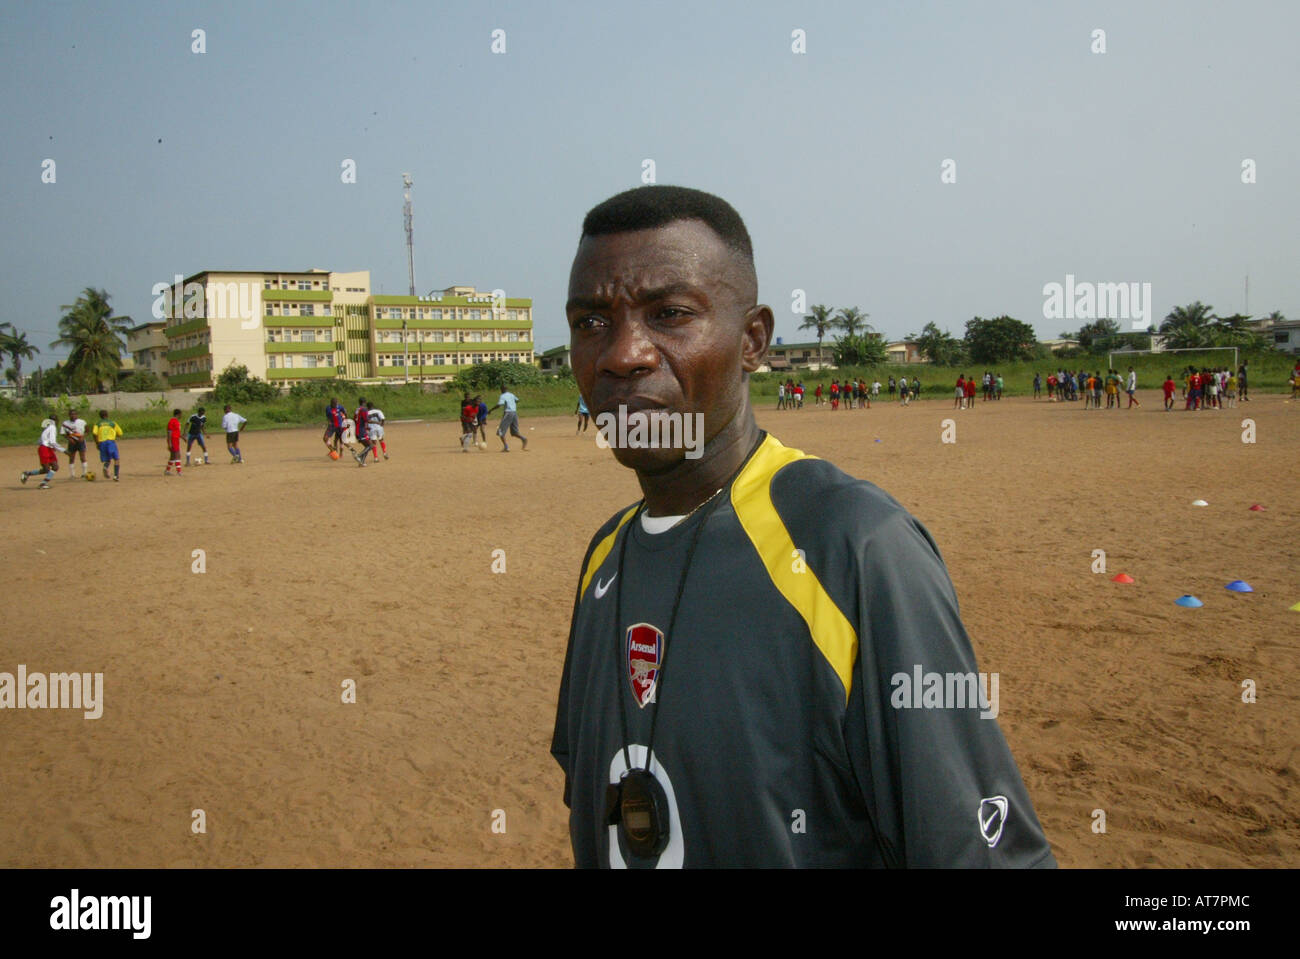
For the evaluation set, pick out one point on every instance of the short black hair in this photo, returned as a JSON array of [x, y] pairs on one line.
[[647, 207]]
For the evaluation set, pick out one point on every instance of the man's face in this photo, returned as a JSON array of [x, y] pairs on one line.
[[664, 319]]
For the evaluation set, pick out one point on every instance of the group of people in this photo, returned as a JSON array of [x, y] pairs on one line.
[[789, 395], [474, 415], [196, 431], [857, 393], [1204, 389], [963, 397], [105, 434], [1068, 386], [365, 428]]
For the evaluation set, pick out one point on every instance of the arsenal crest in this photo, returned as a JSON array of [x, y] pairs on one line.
[[645, 650]]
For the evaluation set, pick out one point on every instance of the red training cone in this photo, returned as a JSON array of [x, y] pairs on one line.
[[1122, 578], [1257, 508]]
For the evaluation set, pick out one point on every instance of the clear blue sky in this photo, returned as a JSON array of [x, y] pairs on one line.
[[1122, 166]]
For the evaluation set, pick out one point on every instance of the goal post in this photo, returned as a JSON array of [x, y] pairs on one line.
[[1110, 361]]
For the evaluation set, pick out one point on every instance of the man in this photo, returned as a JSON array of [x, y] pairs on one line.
[[47, 455], [780, 396], [232, 423], [105, 434], [481, 425], [1168, 387], [74, 428], [361, 425], [375, 442], [1243, 387], [197, 432], [509, 420], [334, 417], [1131, 388], [789, 596], [173, 444], [468, 421]]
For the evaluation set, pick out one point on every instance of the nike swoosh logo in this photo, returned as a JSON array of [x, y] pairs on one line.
[[603, 588]]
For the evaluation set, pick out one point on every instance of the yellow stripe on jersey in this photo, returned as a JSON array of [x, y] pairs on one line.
[[602, 550], [751, 496]]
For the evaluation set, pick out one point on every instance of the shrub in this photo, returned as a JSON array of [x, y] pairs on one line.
[[142, 381], [234, 385], [324, 388], [500, 374]]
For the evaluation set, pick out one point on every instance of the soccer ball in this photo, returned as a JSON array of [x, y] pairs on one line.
[[90, 476], [481, 445], [334, 454]]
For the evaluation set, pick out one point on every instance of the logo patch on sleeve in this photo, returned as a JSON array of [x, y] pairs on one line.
[[992, 817], [645, 648]]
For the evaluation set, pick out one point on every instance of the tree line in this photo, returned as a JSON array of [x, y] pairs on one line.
[[1004, 339]]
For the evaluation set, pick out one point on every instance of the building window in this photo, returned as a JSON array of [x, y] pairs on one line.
[[512, 337], [307, 336], [271, 335], [435, 314], [1281, 337], [270, 361], [326, 335], [266, 284], [304, 284], [306, 309], [309, 361], [288, 361], [476, 337]]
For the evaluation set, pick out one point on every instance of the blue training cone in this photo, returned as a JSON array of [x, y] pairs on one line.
[[1189, 601], [1239, 586]]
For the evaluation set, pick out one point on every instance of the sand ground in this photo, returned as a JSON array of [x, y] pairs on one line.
[[223, 689]]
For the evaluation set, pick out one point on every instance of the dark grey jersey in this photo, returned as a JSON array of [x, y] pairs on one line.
[[817, 700]]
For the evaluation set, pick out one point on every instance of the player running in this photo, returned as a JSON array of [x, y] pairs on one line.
[[232, 423], [334, 417], [48, 453], [105, 433], [196, 432], [509, 420], [374, 435], [74, 428], [173, 444], [583, 415]]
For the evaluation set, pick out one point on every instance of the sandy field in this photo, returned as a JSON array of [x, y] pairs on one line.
[[222, 689]]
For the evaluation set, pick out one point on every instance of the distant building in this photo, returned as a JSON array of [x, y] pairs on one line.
[[291, 327], [904, 351], [1057, 345], [796, 356], [555, 358], [1284, 336], [146, 345]]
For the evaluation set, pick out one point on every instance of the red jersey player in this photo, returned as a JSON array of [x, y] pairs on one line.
[[174, 443]]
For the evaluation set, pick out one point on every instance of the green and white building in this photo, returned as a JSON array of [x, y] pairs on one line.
[[292, 327]]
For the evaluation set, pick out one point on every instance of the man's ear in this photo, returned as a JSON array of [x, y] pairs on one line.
[[758, 336]]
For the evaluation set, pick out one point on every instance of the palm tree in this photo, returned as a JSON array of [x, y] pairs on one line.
[[850, 319], [1188, 327], [822, 321], [16, 346], [94, 337]]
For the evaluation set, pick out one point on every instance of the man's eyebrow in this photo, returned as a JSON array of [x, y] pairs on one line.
[[650, 295]]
